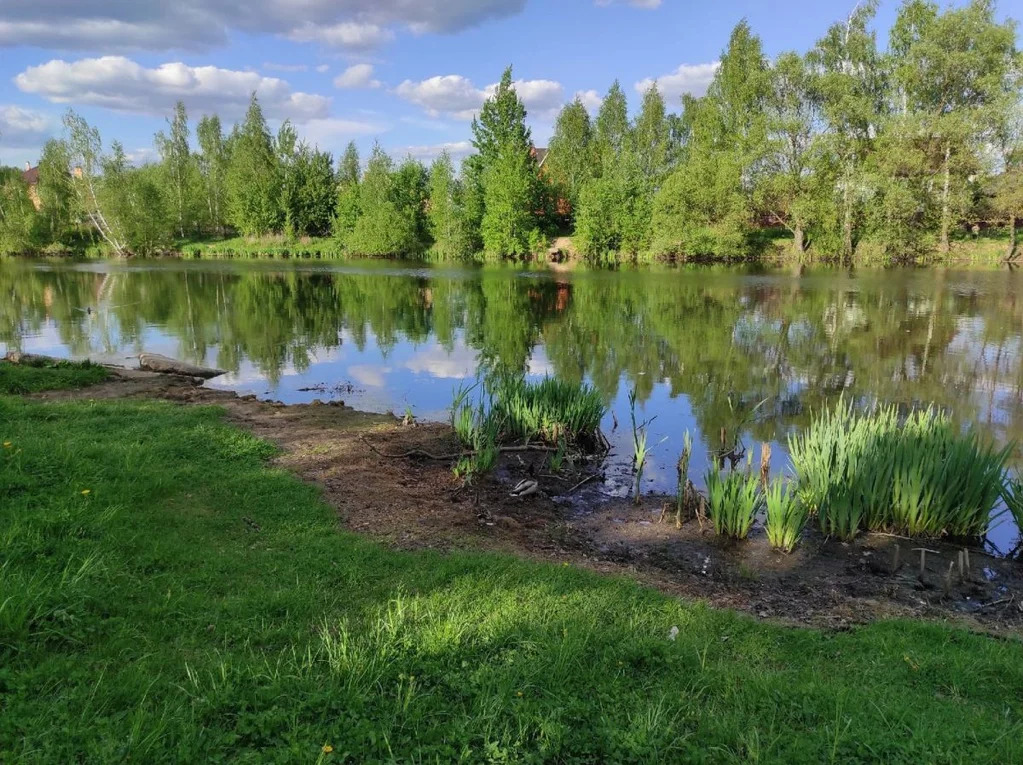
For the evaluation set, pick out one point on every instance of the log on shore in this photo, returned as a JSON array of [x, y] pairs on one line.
[[154, 362], [31, 359]]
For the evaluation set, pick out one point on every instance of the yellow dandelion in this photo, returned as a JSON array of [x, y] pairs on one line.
[[519, 694], [86, 492], [7, 444], [327, 749]]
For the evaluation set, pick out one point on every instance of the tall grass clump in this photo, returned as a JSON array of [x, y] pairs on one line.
[[733, 500], [1013, 497], [786, 515], [919, 475], [548, 411]]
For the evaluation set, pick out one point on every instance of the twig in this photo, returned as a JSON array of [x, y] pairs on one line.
[[454, 455], [583, 482]]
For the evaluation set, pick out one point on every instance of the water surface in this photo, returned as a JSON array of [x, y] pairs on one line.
[[708, 349]]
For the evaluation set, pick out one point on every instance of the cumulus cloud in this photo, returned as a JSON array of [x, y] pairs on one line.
[[128, 25], [457, 96], [270, 66], [119, 83], [22, 128], [457, 149], [591, 99], [347, 34], [333, 132], [688, 78], [357, 76]]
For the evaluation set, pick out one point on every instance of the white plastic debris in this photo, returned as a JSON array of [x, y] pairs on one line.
[[673, 633]]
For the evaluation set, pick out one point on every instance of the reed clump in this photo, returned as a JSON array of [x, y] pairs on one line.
[[919, 475], [786, 515], [733, 500]]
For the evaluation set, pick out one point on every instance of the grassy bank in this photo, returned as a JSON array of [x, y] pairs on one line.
[[165, 595]]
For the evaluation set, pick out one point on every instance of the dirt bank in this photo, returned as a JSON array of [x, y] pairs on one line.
[[414, 502]]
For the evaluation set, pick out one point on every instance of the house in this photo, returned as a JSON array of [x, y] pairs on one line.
[[31, 178]]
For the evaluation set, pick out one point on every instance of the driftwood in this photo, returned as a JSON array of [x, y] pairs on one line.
[[154, 362], [31, 359]]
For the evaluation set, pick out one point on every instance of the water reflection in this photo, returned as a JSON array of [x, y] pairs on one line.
[[702, 347]]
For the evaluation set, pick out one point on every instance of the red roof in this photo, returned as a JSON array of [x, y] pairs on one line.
[[31, 176]]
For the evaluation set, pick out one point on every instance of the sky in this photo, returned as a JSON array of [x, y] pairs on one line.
[[407, 73]]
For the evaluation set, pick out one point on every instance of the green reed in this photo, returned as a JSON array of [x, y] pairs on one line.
[[548, 411], [919, 475], [733, 500], [683, 478], [786, 515]]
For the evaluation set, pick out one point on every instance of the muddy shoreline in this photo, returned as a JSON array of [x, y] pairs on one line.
[[416, 503]]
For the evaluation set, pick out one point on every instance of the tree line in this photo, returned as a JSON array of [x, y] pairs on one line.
[[848, 149]]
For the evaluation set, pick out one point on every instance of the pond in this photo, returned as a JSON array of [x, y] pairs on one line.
[[752, 351]]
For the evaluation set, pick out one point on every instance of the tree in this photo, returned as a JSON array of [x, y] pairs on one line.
[[346, 210], [55, 189], [253, 180], [508, 176], [179, 169], [849, 85], [213, 163], [389, 215], [786, 186], [85, 149], [444, 215], [18, 219], [951, 70], [570, 157], [133, 203]]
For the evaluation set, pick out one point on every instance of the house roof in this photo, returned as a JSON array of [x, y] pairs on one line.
[[31, 176], [541, 155]]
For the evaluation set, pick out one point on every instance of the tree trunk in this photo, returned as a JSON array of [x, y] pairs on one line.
[[943, 245], [798, 240], [1012, 238], [847, 222]]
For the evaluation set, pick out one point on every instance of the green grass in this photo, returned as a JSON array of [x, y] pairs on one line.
[[259, 247], [786, 515], [167, 596], [25, 378], [549, 411]]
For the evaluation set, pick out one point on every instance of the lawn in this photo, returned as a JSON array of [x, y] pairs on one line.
[[167, 595]]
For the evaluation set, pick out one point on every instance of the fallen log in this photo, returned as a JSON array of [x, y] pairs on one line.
[[31, 359], [154, 362]]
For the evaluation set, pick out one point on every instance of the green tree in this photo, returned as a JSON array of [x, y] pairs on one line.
[[389, 218], [951, 70], [570, 157], [444, 215], [346, 211], [508, 176], [18, 218], [253, 180], [213, 164], [179, 169], [55, 189], [849, 84], [85, 148]]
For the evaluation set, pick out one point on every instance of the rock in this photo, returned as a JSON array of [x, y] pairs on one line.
[[154, 362]]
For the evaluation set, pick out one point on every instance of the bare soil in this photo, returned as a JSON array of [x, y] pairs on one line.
[[414, 502]]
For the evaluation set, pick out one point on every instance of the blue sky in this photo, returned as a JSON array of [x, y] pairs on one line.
[[409, 73]]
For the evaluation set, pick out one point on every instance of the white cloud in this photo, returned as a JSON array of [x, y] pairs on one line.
[[119, 83], [333, 132], [22, 128], [457, 149], [688, 78], [357, 76], [323, 68], [347, 34], [129, 25], [591, 99], [456, 95]]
